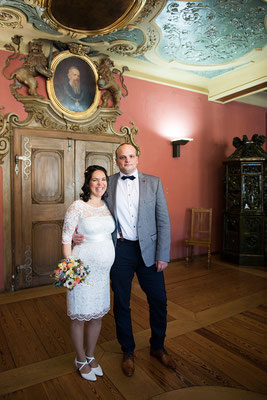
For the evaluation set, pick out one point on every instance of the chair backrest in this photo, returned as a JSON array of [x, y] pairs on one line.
[[201, 224]]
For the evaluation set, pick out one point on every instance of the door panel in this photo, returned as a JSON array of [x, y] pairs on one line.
[[47, 187], [46, 246]]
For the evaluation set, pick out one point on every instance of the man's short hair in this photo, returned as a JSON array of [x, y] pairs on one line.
[[123, 144]]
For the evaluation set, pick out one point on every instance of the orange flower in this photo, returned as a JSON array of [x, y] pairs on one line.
[[57, 272]]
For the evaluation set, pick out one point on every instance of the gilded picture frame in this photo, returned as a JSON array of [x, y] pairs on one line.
[[73, 89]]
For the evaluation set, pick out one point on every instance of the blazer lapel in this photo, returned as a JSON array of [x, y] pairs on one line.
[[113, 190]]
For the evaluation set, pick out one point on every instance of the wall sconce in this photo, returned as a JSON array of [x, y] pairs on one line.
[[176, 143]]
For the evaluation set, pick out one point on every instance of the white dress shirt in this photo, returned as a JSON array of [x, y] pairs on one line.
[[127, 201]]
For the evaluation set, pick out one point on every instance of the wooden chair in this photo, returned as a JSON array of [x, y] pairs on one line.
[[200, 235]]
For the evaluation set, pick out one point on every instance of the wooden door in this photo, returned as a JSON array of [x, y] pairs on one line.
[[47, 179], [44, 188]]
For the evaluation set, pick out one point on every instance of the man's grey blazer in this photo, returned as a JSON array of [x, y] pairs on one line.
[[153, 224]]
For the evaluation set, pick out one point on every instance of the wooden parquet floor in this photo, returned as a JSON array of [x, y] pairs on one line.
[[217, 334]]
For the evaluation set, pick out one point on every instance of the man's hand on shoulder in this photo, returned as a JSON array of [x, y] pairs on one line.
[[77, 238], [161, 265]]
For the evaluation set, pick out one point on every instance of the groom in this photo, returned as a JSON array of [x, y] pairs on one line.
[[142, 241], [142, 246]]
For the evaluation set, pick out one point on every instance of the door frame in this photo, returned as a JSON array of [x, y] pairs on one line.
[[8, 166]]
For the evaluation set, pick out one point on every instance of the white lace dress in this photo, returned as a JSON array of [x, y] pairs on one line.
[[90, 299]]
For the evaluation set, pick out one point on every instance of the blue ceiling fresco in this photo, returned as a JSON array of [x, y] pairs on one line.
[[205, 33], [211, 32], [133, 35]]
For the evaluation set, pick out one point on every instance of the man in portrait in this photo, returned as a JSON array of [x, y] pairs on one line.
[[74, 94]]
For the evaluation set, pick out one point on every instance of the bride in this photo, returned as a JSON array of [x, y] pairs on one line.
[[89, 301]]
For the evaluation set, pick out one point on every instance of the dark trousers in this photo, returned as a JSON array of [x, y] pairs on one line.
[[128, 260]]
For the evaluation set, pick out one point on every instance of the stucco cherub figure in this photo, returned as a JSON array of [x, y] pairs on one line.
[[35, 63]]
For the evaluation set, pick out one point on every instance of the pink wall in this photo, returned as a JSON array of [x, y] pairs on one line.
[[161, 113], [196, 178], [1, 232]]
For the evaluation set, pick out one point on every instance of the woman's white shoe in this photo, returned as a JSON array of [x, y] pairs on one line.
[[97, 370], [89, 376]]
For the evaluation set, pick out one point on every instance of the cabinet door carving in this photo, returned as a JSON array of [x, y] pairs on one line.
[[245, 229]]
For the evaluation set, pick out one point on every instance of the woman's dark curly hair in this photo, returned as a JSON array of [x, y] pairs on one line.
[[85, 196]]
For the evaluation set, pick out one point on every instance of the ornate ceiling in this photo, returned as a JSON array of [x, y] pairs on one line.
[[215, 47]]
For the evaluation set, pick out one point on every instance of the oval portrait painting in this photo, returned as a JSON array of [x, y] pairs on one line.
[[73, 89]]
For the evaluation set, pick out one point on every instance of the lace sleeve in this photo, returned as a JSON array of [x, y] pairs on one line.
[[70, 222]]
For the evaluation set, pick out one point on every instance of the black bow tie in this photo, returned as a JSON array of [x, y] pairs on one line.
[[128, 177]]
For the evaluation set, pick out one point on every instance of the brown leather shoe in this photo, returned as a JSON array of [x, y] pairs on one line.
[[163, 357], [127, 364]]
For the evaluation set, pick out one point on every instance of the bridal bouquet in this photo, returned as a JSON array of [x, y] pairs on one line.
[[70, 272]]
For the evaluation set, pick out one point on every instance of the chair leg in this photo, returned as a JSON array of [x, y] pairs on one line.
[[187, 258], [209, 258]]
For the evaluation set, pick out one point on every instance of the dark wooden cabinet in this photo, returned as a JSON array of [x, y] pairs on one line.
[[245, 214]]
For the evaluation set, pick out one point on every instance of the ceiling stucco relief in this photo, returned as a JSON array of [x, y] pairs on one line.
[[33, 13], [10, 19], [212, 31], [197, 45], [138, 42], [137, 38]]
